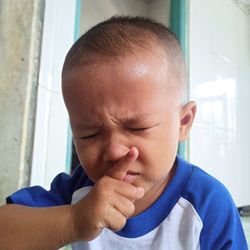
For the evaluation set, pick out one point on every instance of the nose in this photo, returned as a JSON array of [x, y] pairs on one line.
[[114, 150]]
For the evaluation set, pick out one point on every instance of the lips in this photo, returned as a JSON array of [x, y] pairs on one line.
[[130, 176]]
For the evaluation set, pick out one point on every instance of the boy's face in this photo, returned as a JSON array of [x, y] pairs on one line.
[[118, 104]]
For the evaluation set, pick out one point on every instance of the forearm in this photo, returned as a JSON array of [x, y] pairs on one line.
[[35, 228]]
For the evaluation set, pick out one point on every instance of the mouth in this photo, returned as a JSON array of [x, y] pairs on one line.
[[130, 176]]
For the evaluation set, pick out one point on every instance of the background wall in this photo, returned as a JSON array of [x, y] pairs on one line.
[[160, 10], [20, 36], [51, 126], [94, 11], [219, 82]]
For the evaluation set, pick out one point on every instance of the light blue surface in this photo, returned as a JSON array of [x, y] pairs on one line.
[[69, 136], [179, 25], [246, 226]]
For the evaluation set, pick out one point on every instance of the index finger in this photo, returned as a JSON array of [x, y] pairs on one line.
[[119, 170]]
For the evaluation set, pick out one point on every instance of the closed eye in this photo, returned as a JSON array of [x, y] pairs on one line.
[[142, 129], [138, 129], [88, 137]]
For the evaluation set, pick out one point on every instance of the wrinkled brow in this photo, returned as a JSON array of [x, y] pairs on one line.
[[128, 120]]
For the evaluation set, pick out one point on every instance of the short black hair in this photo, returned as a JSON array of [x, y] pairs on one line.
[[122, 35]]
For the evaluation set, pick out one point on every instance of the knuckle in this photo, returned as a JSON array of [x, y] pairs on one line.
[[104, 185], [130, 210], [122, 222], [133, 191], [118, 224], [102, 181]]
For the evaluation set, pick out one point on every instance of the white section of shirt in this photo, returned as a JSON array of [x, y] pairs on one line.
[[180, 230]]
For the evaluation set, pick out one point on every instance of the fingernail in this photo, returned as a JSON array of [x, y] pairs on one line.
[[140, 192]]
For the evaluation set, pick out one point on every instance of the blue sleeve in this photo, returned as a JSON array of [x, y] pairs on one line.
[[60, 193], [222, 228]]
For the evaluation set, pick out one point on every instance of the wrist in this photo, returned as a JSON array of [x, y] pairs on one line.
[[68, 233]]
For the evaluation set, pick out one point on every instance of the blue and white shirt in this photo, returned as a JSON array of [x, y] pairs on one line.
[[195, 211]]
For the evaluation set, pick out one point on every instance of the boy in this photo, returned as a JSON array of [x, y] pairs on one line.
[[124, 87]]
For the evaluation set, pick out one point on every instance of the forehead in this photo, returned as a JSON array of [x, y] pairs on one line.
[[136, 82], [132, 65], [124, 90], [128, 73]]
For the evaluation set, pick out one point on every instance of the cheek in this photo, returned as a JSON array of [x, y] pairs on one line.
[[89, 158], [158, 155]]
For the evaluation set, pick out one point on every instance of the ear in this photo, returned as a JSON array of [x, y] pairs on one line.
[[187, 115]]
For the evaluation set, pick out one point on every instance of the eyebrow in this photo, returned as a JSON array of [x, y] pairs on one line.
[[135, 118], [132, 119], [88, 126]]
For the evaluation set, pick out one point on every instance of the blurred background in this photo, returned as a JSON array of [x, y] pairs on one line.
[[35, 35]]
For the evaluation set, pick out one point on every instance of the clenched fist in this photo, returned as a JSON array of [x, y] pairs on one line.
[[109, 203]]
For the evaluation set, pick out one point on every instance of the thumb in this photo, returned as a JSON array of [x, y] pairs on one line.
[[119, 170]]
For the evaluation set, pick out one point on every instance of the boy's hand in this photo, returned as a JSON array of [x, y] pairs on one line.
[[110, 202]]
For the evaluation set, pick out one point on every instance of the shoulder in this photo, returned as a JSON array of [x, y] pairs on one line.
[[198, 187], [61, 190], [213, 203], [203, 190]]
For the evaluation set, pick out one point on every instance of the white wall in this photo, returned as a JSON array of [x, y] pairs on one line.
[[51, 126], [160, 10], [219, 82], [94, 11]]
